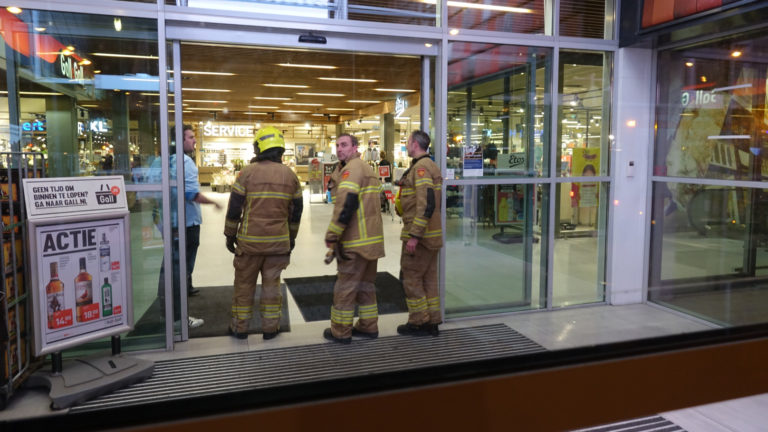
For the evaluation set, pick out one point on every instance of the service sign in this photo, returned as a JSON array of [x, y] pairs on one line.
[[54, 197], [80, 278]]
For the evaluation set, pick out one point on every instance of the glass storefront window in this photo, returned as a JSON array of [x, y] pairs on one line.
[[584, 113], [85, 98], [579, 266], [711, 121], [495, 261], [514, 16], [587, 18], [708, 256], [498, 110]]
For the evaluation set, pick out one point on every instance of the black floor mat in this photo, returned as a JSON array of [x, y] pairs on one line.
[[314, 295]]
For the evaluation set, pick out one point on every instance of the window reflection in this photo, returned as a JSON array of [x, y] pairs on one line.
[[495, 261]]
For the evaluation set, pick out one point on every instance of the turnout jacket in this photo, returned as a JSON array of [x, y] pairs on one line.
[[356, 221], [420, 191], [265, 208]]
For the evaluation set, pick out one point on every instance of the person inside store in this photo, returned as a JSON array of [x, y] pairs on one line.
[[371, 155], [261, 225], [383, 162], [356, 237], [419, 205], [193, 198]]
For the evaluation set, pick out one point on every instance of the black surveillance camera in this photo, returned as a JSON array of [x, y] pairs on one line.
[[310, 38]]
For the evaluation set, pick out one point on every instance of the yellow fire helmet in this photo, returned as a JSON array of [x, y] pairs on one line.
[[398, 204], [269, 137]]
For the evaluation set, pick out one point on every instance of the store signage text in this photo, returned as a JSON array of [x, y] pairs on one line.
[[64, 240], [69, 68], [36, 125], [58, 196], [700, 98], [400, 106], [245, 131], [99, 126]]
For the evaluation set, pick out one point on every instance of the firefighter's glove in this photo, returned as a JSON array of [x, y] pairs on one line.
[[231, 243]]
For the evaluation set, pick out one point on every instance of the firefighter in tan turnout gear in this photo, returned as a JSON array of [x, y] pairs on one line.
[[356, 235], [422, 236], [262, 221]]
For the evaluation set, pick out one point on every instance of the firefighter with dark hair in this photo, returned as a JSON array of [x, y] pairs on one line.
[[419, 205], [356, 236], [261, 225]]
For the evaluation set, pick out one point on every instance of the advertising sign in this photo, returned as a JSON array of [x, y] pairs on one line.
[[80, 257], [473, 161], [509, 204]]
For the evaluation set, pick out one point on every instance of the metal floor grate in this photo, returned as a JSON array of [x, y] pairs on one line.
[[224, 373], [645, 424]]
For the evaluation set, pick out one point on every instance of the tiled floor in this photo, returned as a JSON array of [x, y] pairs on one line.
[[558, 329]]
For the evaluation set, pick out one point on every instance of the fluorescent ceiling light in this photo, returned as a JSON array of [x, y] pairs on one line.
[[395, 90], [207, 73], [317, 115], [348, 79], [150, 94], [204, 101], [135, 56], [262, 107], [206, 90], [309, 66], [254, 113], [339, 109], [302, 104], [362, 101], [370, 121], [271, 98], [286, 85], [467, 5], [206, 109], [292, 111], [89, 106], [31, 93], [322, 94]]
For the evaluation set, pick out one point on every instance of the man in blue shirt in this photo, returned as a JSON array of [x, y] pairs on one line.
[[193, 219]]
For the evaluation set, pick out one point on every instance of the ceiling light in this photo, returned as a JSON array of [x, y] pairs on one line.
[[206, 90], [339, 109], [309, 66], [204, 101], [271, 98], [395, 90], [428, 45], [363, 101], [262, 107], [292, 111], [67, 52], [37, 93], [736, 53], [318, 115], [254, 113], [84, 62], [302, 104], [486, 7], [689, 64], [453, 32], [206, 109], [118, 23], [150, 94], [322, 94], [40, 29], [348, 79], [286, 85], [205, 73], [97, 71], [13, 9], [136, 56]]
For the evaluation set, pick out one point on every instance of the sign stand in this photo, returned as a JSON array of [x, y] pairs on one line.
[[79, 237]]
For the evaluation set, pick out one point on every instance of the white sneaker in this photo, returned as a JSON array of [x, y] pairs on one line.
[[195, 322]]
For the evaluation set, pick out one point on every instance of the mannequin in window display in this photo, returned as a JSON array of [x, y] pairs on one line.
[[262, 222], [419, 205], [357, 240]]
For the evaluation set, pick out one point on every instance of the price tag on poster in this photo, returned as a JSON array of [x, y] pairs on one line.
[[80, 258]]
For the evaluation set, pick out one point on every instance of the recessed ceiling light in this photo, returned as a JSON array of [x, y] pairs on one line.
[[322, 94], [736, 53], [204, 101], [362, 101], [453, 32], [206, 90], [395, 90], [292, 111], [262, 107], [136, 56], [286, 85], [689, 64], [348, 79], [302, 104], [40, 29], [309, 66], [13, 9], [271, 98], [206, 109]]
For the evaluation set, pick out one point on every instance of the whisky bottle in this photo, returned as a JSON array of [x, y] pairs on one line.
[[55, 295], [83, 290], [106, 298], [104, 254]]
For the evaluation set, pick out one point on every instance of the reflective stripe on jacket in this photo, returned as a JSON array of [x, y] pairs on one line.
[[421, 214], [263, 228], [364, 232]]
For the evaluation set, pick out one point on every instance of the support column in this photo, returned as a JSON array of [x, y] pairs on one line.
[[388, 135], [121, 134], [61, 124]]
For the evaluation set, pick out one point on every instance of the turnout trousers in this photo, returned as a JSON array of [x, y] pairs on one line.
[[420, 285], [247, 269], [355, 284]]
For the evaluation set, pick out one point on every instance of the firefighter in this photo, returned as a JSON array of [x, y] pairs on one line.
[[263, 236], [422, 236], [356, 235]]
